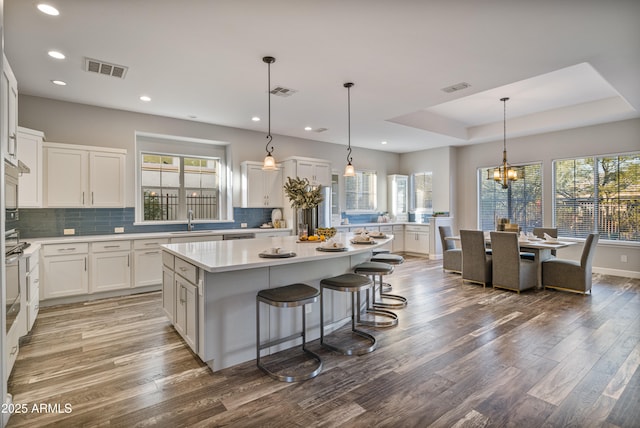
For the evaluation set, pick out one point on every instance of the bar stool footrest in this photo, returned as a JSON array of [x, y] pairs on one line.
[[296, 378]]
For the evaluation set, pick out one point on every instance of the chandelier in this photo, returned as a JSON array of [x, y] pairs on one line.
[[503, 173]]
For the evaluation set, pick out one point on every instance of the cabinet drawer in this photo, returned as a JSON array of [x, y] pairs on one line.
[[186, 270], [386, 229], [63, 249], [32, 314], [149, 244], [33, 285], [168, 259], [422, 229], [100, 247]]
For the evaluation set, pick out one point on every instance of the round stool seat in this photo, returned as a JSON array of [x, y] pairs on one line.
[[380, 251], [373, 268], [347, 282], [289, 295], [393, 259]]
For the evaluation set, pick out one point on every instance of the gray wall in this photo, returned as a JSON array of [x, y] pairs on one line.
[[64, 122]]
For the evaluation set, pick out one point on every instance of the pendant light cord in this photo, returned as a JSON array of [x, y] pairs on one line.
[[348, 86], [269, 60]]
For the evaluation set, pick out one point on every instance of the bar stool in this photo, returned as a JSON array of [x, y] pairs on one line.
[[395, 260], [379, 269], [354, 284], [377, 251], [288, 296]]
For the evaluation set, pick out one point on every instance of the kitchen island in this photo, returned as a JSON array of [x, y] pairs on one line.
[[209, 291]]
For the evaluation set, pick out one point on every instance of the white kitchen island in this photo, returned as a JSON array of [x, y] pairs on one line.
[[209, 292]]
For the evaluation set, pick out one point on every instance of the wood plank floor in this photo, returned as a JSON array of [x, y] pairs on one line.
[[461, 356]]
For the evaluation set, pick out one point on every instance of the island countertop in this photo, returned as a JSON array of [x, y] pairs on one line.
[[226, 256]]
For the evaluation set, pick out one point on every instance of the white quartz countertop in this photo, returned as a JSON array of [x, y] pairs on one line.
[[224, 256], [150, 235]]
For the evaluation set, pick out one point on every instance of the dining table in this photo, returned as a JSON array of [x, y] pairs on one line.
[[540, 248]]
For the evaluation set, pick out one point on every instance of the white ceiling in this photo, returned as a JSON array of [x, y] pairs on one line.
[[563, 64]]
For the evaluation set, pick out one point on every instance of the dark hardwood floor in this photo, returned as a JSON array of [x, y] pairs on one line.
[[461, 356]]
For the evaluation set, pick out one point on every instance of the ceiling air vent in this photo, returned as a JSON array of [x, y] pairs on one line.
[[105, 68], [319, 129], [281, 91], [456, 87]]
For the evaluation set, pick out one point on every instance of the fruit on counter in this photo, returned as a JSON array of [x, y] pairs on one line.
[[327, 232]]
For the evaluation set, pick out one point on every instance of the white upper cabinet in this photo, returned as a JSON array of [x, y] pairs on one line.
[[317, 171], [30, 143], [261, 189], [83, 176], [9, 113]]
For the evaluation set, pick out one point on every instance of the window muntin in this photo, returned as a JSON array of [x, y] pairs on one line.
[[360, 191], [521, 202], [600, 194]]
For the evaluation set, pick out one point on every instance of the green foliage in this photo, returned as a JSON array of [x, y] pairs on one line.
[[302, 194]]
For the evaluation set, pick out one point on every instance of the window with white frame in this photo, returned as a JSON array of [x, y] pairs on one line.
[[598, 194], [521, 202], [172, 184], [360, 191]]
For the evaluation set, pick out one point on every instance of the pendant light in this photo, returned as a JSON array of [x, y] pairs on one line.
[[349, 170], [269, 161], [503, 173]]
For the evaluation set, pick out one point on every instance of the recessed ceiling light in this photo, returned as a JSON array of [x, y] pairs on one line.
[[145, 98], [56, 55], [255, 119], [383, 142], [308, 128], [48, 9], [59, 82]]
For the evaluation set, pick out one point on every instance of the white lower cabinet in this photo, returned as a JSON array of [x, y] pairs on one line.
[[398, 238], [387, 230], [33, 288], [416, 239], [147, 262], [168, 291], [66, 270], [186, 316], [110, 266]]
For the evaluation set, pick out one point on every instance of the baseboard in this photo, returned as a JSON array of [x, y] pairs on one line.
[[96, 296], [617, 272]]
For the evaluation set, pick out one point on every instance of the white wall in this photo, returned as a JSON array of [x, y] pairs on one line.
[[64, 122]]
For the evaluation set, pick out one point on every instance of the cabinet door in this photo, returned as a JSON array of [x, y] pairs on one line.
[[106, 179], [322, 174], [30, 189], [255, 185], [186, 316], [147, 267], [273, 188], [65, 275], [66, 177], [305, 169], [110, 271], [168, 293], [9, 113], [398, 239]]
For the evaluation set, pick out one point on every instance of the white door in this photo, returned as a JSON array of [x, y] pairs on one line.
[[147, 267], [66, 177], [110, 271], [106, 179], [66, 275]]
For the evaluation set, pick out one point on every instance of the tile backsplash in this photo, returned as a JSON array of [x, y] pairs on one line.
[[51, 222]]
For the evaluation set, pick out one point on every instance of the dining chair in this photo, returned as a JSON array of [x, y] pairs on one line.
[[570, 275], [539, 232], [511, 271], [451, 256], [476, 263]]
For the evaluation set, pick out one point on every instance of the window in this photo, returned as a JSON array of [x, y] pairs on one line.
[[600, 194], [173, 184], [360, 191], [422, 185], [521, 202]]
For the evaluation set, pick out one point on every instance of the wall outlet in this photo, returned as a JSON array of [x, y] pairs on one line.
[[69, 232], [623, 258], [118, 230], [243, 225]]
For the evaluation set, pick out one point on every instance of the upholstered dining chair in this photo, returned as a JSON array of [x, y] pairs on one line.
[[539, 232], [476, 263], [570, 275], [511, 271], [451, 256]]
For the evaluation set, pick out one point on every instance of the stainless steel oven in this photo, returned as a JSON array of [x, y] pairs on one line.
[[11, 174]]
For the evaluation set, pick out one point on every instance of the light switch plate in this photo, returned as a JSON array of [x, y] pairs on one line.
[[69, 231]]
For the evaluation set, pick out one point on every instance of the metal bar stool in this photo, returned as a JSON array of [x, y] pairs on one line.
[[374, 270], [288, 296], [354, 284], [401, 302]]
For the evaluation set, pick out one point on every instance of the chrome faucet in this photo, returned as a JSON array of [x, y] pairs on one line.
[[189, 220]]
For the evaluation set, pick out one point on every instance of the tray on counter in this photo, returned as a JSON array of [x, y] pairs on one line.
[[363, 242], [332, 249], [277, 255]]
